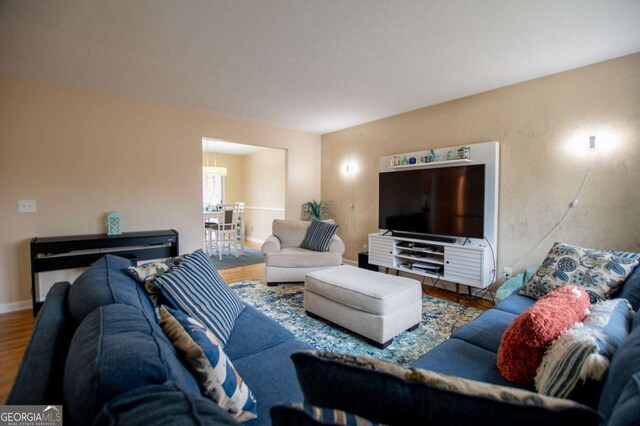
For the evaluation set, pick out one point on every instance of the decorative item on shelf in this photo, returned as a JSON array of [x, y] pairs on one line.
[[113, 223], [412, 160], [419, 160], [405, 161], [432, 157], [450, 155], [395, 161], [464, 152]]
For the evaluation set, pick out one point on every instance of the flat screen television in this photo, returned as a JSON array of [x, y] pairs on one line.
[[447, 201]]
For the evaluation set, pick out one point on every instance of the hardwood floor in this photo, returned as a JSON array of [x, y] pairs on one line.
[[15, 327], [15, 332]]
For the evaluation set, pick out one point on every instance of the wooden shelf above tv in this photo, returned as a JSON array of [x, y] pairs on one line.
[[432, 164]]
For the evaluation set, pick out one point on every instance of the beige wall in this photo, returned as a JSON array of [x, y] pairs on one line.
[[543, 128], [81, 154], [264, 182]]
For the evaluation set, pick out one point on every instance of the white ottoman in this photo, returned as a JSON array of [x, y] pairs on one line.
[[374, 305]]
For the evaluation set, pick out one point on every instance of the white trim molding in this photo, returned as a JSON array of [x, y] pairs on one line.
[[255, 240], [271, 209], [15, 306]]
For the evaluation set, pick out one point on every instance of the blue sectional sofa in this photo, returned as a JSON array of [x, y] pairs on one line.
[[471, 353], [98, 350]]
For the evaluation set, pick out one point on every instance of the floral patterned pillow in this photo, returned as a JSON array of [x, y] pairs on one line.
[[600, 272], [149, 271]]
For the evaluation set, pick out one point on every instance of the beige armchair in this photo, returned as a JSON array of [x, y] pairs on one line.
[[286, 260]]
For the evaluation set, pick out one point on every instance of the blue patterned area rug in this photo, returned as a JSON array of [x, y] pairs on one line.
[[249, 257], [284, 304]]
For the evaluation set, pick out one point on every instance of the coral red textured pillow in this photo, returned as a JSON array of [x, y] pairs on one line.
[[526, 339]]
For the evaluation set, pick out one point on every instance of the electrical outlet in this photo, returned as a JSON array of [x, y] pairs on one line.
[[364, 247], [27, 206], [507, 272]]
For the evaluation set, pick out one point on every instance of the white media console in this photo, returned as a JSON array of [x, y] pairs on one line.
[[467, 261], [470, 264]]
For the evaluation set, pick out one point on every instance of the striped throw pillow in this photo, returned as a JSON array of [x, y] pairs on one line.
[[304, 414], [583, 352], [213, 370], [319, 235], [196, 288], [147, 272]]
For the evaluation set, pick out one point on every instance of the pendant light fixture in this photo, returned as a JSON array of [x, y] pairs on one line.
[[213, 170]]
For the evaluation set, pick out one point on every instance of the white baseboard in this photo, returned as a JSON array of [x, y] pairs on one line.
[[15, 306], [349, 262], [254, 240]]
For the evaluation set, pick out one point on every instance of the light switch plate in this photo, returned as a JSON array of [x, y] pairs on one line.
[[27, 206]]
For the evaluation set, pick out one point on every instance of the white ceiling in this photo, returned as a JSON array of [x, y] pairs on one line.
[[312, 65], [224, 147]]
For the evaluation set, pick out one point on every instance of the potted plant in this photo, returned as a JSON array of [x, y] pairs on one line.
[[314, 209]]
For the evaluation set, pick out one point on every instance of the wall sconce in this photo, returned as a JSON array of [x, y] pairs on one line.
[[350, 169], [592, 142]]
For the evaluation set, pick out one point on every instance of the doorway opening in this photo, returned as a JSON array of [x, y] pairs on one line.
[[252, 176]]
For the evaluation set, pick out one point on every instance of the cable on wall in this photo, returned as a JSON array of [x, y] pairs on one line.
[[570, 207]]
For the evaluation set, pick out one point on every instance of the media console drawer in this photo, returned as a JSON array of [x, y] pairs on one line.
[[381, 251]]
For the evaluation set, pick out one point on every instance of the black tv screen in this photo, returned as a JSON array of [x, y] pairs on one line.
[[445, 201]]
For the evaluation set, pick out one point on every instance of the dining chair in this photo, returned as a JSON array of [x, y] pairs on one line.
[[223, 232], [241, 225]]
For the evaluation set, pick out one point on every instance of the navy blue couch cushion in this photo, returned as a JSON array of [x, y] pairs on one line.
[[104, 283], [624, 364], [39, 379], [380, 396], [627, 409], [114, 350], [515, 304], [486, 331], [631, 289], [456, 357], [253, 332], [271, 376], [636, 322], [164, 404]]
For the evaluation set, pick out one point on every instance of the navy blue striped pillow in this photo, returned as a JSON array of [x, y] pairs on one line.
[[197, 289], [306, 414], [319, 236]]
